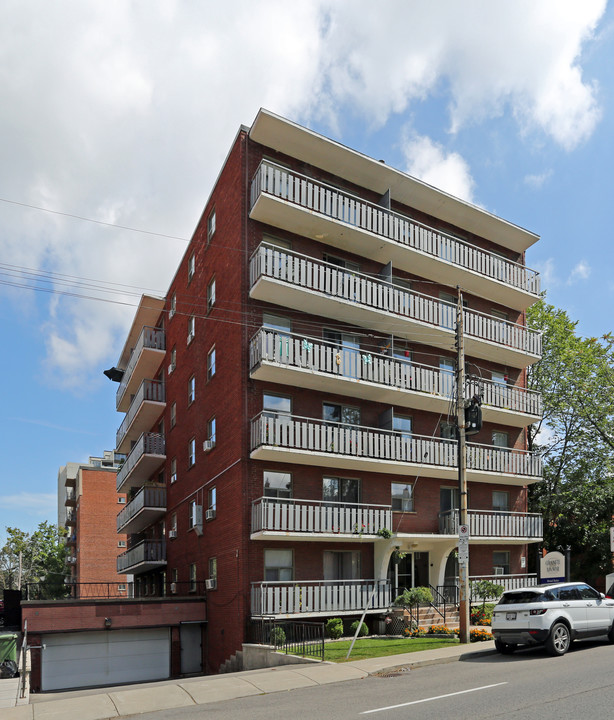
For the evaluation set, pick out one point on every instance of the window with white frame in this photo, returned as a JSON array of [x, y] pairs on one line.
[[402, 497], [191, 328], [447, 430], [193, 577], [121, 543], [173, 418], [341, 490], [173, 470], [191, 267], [277, 484], [210, 295], [121, 499], [278, 565], [173, 306], [191, 513], [341, 565], [211, 430], [211, 225], [173, 523], [211, 363], [276, 405], [500, 439], [347, 414], [173, 362], [500, 501], [501, 562], [192, 452], [212, 499], [402, 424], [191, 390], [213, 569]]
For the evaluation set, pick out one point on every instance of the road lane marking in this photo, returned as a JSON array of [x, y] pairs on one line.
[[437, 697]]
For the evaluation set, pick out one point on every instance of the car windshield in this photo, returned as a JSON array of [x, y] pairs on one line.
[[521, 597]]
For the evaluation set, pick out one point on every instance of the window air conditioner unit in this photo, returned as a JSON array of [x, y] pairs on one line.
[[173, 478], [172, 534], [208, 445], [173, 588], [170, 369], [499, 570], [210, 514], [210, 584]]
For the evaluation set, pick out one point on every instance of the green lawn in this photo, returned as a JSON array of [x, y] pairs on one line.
[[378, 647]]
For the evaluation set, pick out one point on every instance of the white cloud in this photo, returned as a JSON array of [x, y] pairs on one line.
[[581, 271], [40, 505], [547, 271], [429, 162], [538, 180]]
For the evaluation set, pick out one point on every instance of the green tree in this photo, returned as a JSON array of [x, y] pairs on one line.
[[575, 438], [37, 557]]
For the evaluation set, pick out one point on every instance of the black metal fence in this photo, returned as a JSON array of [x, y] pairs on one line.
[[117, 590], [289, 636]]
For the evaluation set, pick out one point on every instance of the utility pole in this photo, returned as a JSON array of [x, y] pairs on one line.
[[463, 528]]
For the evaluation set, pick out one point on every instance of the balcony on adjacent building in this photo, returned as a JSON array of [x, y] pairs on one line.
[[147, 456], [147, 506], [312, 363], [147, 555], [484, 524], [319, 597], [280, 518], [290, 279], [145, 408], [71, 497], [308, 441], [302, 205], [144, 362], [71, 518]]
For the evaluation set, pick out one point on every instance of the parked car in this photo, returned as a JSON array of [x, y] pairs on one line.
[[551, 615]]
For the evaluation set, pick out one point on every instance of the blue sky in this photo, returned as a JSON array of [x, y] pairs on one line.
[[123, 113]]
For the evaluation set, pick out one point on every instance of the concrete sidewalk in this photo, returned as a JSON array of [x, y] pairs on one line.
[[114, 702]]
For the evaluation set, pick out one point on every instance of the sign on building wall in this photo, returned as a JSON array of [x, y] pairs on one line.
[[552, 567]]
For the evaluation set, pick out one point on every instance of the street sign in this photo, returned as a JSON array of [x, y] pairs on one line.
[[463, 531], [463, 549]]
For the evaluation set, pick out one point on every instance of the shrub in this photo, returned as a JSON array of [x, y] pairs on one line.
[[414, 632], [415, 596], [481, 616], [479, 635], [278, 636], [484, 589], [364, 630], [334, 628], [384, 533], [440, 630]]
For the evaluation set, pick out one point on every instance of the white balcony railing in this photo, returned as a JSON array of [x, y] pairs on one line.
[[146, 553], [150, 338], [319, 597], [508, 582], [494, 524], [299, 352], [149, 391], [307, 273], [313, 516], [147, 444], [316, 197], [146, 497], [308, 434]]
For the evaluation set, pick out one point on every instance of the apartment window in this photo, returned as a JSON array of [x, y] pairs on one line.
[[278, 565], [341, 414], [121, 543], [341, 262], [211, 363], [191, 390], [500, 501], [344, 565], [211, 225], [173, 523], [191, 328], [173, 419], [501, 562], [174, 575], [174, 470], [210, 295], [402, 424], [192, 452], [121, 587], [500, 439], [277, 484], [276, 242], [341, 490], [192, 513], [193, 577], [401, 350], [213, 569], [211, 430], [121, 500], [212, 499], [402, 497], [447, 370], [276, 405], [173, 308], [173, 362], [191, 268], [447, 430], [276, 322], [499, 378]]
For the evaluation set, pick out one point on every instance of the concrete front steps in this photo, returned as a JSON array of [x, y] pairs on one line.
[[429, 616]]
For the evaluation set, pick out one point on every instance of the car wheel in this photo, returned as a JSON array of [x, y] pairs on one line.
[[559, 640], [504, 648]]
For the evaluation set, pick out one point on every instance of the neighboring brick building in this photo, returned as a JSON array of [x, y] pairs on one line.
[[291, 397], [88, 504]]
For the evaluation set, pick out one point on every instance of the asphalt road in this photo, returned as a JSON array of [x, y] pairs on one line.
[[528, 684]]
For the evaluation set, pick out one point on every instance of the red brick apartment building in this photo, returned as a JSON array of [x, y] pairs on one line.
[[289, 417]]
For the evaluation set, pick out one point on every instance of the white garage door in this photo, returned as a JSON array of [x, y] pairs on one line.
[[113, 657]]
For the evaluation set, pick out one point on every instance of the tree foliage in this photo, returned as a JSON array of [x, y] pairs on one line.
[[43, 558], [575, 438]]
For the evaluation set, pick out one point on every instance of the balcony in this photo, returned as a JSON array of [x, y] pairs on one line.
[[71, 518], [147, 555], [71, 497], [293, 280], [144, 459], [296, 360], [71, 540], [147, 506], [144, 362], [146, 407], [319, 597], [278, 519], [304, 206], [307, 441], [494, 525]]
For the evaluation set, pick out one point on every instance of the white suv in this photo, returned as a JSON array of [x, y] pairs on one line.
[[551, 615]]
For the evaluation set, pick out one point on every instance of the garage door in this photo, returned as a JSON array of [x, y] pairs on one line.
[[113, 657]]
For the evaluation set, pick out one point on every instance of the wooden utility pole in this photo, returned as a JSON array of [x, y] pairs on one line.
[[463, 528]]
